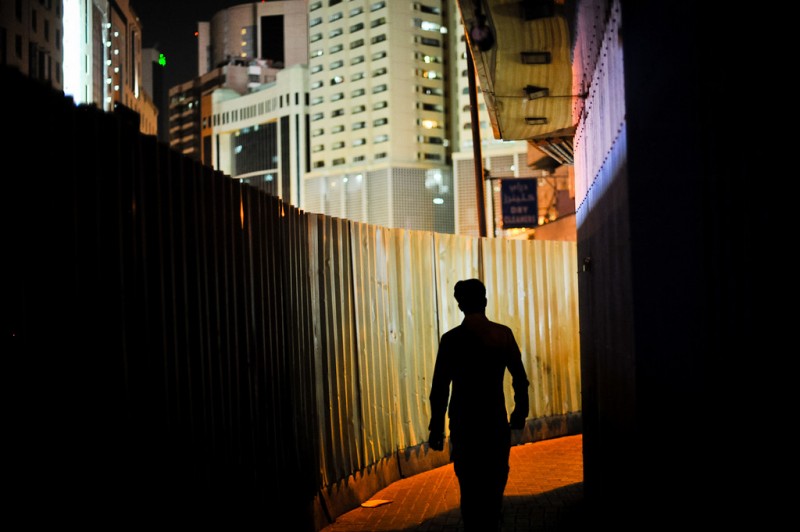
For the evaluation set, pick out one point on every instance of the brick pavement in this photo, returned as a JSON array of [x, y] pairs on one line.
[[544, 494]]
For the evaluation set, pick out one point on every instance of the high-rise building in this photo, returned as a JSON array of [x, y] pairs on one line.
[[90, 49], [86, 56], [379, 123], [261, 138], [240, 49], [124, 63], [31, 39], [154, 83]]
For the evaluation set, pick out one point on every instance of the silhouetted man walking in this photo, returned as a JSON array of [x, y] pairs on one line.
[[473, 357]]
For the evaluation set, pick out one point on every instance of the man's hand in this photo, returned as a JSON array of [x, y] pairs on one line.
[[436, 441], [517, 421]]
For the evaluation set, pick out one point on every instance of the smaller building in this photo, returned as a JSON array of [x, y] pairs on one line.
[[261, 138]]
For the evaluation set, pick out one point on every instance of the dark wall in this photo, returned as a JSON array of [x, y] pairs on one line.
[[153, 331], [697, 289]]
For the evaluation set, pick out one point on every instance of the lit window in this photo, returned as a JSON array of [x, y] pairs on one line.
[[426, 25]]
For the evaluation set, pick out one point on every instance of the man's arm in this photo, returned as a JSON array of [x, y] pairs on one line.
[[520, 383], [439, 397]]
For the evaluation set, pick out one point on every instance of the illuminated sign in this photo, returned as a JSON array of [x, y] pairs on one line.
[[520, 206]]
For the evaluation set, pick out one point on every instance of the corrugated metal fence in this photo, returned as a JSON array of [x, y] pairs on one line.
[[185, 347]]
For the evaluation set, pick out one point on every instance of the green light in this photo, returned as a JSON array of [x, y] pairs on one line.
[[162, 60]]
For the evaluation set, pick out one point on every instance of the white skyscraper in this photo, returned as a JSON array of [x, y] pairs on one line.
[[379, 125]]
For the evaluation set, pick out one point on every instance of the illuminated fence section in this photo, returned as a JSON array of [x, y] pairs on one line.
[[402, 290], [531, 288], [190, 346]]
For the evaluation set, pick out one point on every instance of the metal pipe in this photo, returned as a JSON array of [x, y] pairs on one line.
[[476, 143]]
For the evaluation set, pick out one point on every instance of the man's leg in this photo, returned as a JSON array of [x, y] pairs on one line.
[[481, 483]]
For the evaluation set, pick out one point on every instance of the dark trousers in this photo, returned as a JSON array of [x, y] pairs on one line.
[[482, 472]]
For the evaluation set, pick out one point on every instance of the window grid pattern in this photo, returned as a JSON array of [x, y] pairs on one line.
[[412, 201], [377, 198], [334, 204], [467, 209], [355, 201], [502, 165], [313, 194]]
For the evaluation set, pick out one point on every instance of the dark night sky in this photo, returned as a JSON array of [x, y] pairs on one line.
[[169, 26]]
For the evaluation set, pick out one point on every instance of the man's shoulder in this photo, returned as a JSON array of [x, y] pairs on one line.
[[482, 325], [455, 331], [498, 326]]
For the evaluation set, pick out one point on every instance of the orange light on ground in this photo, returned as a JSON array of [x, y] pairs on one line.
[[241, 210]]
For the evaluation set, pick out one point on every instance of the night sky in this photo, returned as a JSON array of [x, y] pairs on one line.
[[169, 27]]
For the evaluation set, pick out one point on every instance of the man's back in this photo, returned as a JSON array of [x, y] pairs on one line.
[[474, 357]]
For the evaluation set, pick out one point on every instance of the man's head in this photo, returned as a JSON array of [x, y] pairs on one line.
[[471, 295]]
